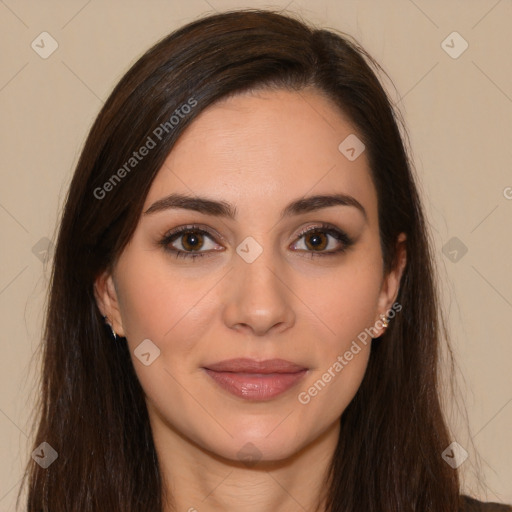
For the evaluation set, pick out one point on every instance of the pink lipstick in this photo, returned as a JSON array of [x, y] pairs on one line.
[[256, 380]]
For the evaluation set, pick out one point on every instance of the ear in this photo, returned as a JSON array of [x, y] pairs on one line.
[[391, 283], [106, 298]]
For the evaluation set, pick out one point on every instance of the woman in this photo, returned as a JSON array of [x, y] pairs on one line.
[[243, 312]]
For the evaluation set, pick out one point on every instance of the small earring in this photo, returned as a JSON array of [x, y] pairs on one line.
[[114, 335], [384, 319]]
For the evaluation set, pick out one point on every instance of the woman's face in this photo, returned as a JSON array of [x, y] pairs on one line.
[[258, 288]]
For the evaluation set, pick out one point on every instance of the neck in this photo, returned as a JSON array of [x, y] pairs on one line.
[[197, 480]]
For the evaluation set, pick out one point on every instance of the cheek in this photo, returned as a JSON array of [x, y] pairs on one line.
[[344, 301], [160, 303], [346, 311]]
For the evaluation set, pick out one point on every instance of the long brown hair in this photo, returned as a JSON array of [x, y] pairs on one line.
[[92, 409]]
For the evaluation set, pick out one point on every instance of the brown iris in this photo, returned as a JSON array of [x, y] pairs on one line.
[[191, 239], [316, 237]]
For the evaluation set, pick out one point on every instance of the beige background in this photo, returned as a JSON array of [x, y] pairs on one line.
[[458, 112]]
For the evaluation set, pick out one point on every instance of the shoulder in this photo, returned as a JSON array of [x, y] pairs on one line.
[[472, 505]]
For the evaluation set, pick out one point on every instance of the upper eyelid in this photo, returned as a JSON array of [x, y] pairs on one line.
[[183, 229]]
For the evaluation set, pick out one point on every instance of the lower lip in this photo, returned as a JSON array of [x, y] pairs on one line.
[[256, 386]]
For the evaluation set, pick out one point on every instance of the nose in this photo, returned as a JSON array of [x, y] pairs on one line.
[[258, 300]]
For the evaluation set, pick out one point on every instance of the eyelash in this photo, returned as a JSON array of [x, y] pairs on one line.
[[173, 235]]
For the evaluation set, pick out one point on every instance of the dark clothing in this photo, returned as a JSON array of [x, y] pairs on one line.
[[472, 505]]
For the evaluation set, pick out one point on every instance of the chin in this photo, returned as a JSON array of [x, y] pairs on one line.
[[257, 445]]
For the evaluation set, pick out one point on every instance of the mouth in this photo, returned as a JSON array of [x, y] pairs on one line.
[[256, 380]]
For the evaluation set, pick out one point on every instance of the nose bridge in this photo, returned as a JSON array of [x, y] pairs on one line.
[[256, 264], [257, 296]]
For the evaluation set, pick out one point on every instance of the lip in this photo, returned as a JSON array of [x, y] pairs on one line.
[[246, 365], [256, 380]]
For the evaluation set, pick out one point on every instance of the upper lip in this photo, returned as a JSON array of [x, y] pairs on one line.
[[245, 365]]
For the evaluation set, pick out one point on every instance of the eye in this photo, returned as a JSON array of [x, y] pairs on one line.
[[323, 240], [188, 242], [192, 242]]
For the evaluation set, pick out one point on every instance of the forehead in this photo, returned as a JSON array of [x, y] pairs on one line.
[[261, 149]]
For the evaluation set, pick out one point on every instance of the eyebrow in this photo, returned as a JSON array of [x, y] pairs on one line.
[[226, 210]]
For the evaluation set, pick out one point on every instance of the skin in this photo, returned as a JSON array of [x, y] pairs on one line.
[[257, 151]]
